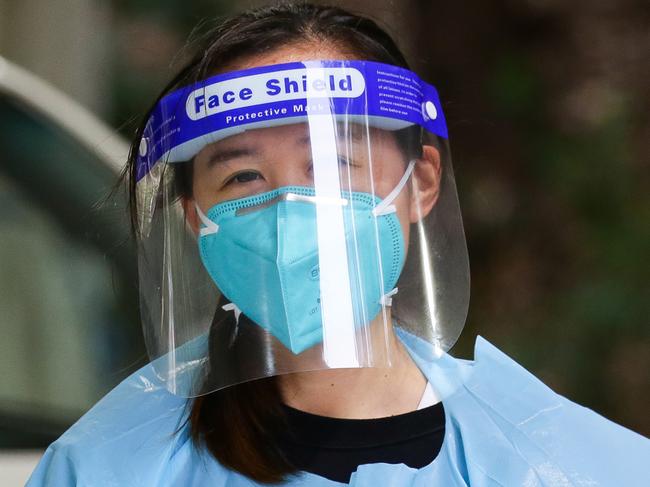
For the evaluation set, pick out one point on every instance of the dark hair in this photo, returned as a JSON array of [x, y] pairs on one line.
[[240, 424]]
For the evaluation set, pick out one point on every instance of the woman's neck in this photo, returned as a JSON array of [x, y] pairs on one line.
[[360, 393]]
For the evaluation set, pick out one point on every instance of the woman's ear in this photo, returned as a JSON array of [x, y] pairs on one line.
[[426, 180], [191, 217]]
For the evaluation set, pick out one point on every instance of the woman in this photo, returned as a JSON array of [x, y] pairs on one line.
[[303, 272]]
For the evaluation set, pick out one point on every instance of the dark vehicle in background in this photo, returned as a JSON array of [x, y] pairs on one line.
[[68, 293]]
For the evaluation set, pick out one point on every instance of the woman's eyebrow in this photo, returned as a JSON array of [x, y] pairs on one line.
[[304, 140], [219, 156]]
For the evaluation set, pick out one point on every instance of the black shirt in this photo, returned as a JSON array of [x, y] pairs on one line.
[[334, 448]]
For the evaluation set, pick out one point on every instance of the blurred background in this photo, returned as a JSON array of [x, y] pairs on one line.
[[548, 106]]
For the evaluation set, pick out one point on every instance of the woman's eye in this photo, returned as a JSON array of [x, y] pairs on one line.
[[344, 161], [244, 177]]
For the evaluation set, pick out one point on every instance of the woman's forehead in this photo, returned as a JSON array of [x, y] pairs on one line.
[[299, 135], [260, 140]]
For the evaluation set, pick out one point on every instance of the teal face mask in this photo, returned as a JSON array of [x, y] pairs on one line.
[[262, 252]]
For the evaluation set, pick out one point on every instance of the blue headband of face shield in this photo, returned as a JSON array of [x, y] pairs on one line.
[[380, 95]]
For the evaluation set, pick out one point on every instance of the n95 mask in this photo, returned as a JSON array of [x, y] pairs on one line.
[[262, 252]]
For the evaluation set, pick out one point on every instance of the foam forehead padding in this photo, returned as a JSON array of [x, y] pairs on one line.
[[362, 92]]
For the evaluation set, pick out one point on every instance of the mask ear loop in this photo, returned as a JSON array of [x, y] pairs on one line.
[[387, 299], [386, 207], [209, 227], [235, 309]]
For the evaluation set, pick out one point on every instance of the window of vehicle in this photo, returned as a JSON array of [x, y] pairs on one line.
[[68, 315]]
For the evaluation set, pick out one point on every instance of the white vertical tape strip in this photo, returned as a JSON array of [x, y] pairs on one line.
[[339, 337]]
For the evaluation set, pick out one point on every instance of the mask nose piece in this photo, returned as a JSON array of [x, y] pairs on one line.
[[316, 200]]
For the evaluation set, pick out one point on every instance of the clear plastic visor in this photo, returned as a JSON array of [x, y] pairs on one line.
[[296, 247]]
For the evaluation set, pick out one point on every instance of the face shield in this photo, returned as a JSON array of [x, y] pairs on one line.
[[291, 218]]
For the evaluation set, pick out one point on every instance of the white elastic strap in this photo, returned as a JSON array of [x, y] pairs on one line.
[[387, 299], [386, 206], [232, 307], [209, 227]]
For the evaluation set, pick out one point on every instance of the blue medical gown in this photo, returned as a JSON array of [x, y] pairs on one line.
[[503, 428]]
